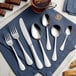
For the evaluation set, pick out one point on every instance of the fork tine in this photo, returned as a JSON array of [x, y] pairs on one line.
[[7, 37], [10, 37], [14, 30]]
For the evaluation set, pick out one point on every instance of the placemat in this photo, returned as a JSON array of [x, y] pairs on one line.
[[29, 18]]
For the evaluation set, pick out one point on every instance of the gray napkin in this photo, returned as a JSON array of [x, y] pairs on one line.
[[70, 7]]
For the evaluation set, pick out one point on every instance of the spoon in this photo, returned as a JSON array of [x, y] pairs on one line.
[[36, 33], [75, 46], [45, 23], [55, 30], [68, 32], [38, 74]]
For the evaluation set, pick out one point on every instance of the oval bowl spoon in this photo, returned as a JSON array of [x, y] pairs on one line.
[[55, 31], [45, 23], [36, 33]]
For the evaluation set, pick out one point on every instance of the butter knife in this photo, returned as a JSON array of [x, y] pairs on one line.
[[29, 41]]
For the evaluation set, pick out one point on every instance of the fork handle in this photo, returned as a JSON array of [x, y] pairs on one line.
[[27, 57], [21, 65]]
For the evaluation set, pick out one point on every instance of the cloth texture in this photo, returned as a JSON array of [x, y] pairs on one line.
[[70, 7], [29, 18]]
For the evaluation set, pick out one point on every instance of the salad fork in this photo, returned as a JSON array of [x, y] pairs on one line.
[[9, 42], [15, 35]]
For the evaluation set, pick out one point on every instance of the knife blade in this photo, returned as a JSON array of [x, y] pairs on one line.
[[29, 41]]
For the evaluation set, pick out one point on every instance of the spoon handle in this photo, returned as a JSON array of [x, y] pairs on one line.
[[63, 45], [46, 60], [48, 44], [54, 56], [37, 60]]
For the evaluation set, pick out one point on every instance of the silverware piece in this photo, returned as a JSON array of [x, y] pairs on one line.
[[45, 23], [36, 33], [16, 36], [55, 31], [75, 46], [29, 41], [38, 74], [68, 32], [9, 42]]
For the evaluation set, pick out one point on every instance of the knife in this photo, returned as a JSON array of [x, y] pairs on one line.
[[29, 41]]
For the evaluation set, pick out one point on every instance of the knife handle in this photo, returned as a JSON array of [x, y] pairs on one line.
[[37, 60]]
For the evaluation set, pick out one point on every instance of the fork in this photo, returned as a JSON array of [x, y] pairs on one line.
[[15, 35], [9, 42]]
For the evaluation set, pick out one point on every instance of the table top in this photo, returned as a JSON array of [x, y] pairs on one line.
[[8, 71]]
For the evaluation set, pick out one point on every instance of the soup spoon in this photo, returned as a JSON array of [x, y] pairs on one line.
[[36, 33], [68, 32], [55, 30], [45, 23]]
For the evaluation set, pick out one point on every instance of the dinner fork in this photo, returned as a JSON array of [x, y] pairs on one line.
[[9, 42], [15, 35]]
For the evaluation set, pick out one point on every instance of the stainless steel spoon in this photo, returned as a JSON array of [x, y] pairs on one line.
[[55, 30], [38, 74], [36, 33], [45, 23], [68, 32]]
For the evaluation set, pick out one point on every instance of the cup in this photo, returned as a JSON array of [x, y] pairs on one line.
[[39, 6]]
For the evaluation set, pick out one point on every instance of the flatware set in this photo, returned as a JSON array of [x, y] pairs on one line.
[[36, 33]]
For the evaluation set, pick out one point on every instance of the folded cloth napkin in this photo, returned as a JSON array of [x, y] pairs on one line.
[[70, 7], [29, 18]]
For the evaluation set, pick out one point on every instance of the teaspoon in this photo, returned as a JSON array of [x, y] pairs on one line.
[[45, 23], [55, 30], [68, 32], [36, 33]]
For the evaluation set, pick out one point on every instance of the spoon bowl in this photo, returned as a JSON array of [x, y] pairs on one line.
[[55, 30], [45, 20], [68, 30], [36, 31]]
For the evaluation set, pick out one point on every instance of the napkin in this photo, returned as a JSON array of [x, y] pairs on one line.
[[29, 18], [70, 7]]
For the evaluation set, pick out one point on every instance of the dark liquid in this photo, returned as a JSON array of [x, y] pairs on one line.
[[40, 5]]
